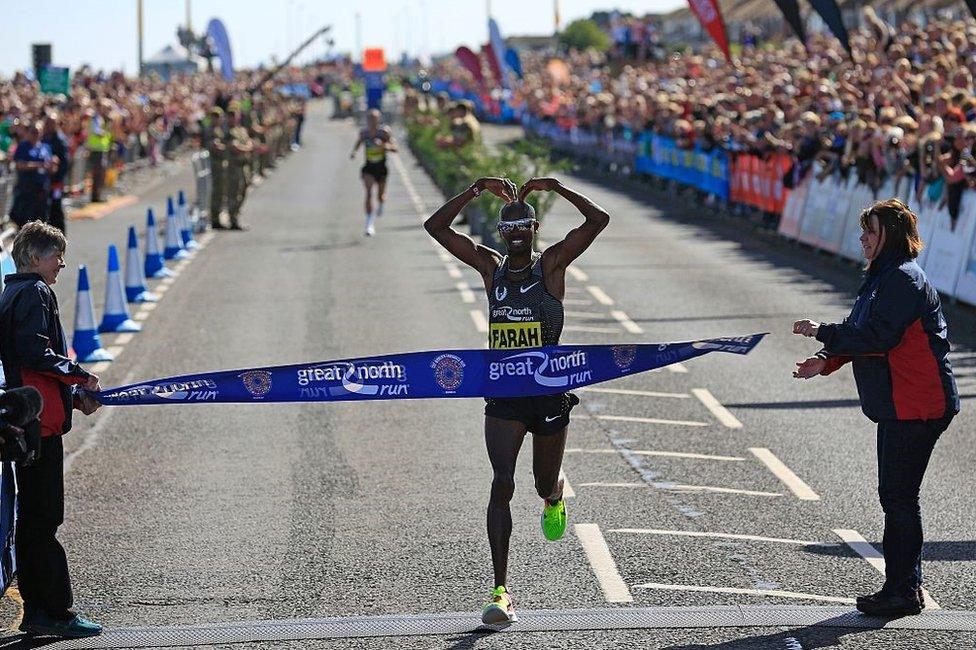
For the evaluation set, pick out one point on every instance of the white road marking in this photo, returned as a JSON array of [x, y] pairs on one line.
[[784, 474], [443, 255], [583, 314], [576, 301], [140, 315], [577, 273], [149, 306], [114, 350], [720, 412], [598, 294], [693, 533], [749, 592], [453, 270], [647, 452], [590, 330], [627, 391], [124, 338], [168, 280], [680, 487], [627, 418], [870, 554], [677, 367], [162, 288], [480, 322], [568, 491], [418, 203], [604, 568], [467, 295], [100, 367], [624, 320]]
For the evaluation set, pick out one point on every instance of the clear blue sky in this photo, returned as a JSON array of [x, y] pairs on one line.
[[103, 32]]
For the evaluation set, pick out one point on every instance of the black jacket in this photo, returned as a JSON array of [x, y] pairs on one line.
[[897, 338], [33, 348]]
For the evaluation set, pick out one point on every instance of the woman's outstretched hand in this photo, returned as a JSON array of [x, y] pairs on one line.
[[806, 328], [809, 368]]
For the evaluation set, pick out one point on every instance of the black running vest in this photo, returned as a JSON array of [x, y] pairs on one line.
[[522, 313]]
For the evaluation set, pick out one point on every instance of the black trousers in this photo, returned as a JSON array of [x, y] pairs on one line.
[[96, 163], [904, 449], [42, 567], [55, 215]]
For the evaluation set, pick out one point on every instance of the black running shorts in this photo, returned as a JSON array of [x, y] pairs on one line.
[[543, 415], [375, 169]]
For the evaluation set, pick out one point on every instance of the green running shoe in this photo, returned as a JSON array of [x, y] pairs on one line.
[[554, 520], [501, 609]]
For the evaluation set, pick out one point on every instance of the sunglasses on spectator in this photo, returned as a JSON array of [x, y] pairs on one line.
[[519, 225]]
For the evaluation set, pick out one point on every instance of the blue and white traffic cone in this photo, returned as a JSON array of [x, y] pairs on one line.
[[135, 281], [85, 342], [186, 228], [154, 266], [174, 242], [116, 316]]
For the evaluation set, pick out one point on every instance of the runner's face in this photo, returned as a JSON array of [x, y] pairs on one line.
[[518, 234]]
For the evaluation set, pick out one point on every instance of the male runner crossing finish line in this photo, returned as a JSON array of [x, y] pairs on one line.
[[525, 292]]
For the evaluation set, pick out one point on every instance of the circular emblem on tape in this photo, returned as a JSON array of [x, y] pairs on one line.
[[624, 355], [257, 382], [448, 372]]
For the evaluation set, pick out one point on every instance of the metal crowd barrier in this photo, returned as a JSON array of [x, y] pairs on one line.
[[6, 194], [204, 187], [75, 180]]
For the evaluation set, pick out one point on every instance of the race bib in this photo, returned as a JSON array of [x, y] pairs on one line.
[[511, 336]]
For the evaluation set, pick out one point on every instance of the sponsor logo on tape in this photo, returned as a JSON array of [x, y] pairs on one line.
[[546, 369], [256, 382], [361, 378], [448, 372]]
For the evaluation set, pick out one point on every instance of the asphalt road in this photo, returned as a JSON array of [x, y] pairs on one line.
[[192, 514]]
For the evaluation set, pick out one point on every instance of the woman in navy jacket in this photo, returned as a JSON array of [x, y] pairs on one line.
[[895, 337]]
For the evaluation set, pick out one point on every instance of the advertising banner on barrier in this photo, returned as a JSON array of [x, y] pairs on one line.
[[789, 222], [758, 181], [659, 155], [948, 246]]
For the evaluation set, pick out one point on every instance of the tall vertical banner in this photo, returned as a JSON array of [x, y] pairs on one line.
[[496, 72], [830, 13], [497, 52], [472, 63], [221, 47], [791, 12], [710, 17]]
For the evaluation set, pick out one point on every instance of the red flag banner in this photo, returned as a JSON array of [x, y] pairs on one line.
[[710, 16], [489, 53], [472, 62]]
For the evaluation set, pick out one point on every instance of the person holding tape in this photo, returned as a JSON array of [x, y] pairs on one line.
[[525, 292], [896, 339]]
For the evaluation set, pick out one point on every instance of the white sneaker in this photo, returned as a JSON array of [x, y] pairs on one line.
[[501, 609]]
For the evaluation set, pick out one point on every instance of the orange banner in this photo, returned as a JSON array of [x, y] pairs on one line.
[[759, 181]]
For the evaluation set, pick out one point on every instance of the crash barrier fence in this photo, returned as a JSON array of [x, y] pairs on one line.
[[738, 177], [825, 213], [822, 211]]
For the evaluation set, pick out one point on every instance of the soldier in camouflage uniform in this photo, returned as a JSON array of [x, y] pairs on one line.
[[213, 140], [239, 151]]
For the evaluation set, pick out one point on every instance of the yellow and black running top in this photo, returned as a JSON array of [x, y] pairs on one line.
[[375, 144], [521, 312]]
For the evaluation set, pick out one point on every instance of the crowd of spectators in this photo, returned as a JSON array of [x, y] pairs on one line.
[[107, 120], [901, 106]]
